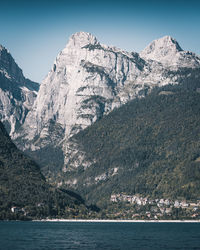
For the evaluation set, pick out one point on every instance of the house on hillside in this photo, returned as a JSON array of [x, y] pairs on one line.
[[18, 210]]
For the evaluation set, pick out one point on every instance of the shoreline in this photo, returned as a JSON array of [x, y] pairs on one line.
[[118, 221]]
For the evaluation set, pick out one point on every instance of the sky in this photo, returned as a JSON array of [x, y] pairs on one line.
[[36, 31]]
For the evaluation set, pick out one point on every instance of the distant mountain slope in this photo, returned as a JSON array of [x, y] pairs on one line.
[[23, 186], [17, 94], [150, 146]]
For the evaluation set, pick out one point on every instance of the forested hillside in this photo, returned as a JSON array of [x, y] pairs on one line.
[[24, 192], [150, 146]]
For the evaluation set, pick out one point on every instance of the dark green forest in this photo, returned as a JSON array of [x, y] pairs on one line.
[[23, 186], [149, 146], [154, 142]]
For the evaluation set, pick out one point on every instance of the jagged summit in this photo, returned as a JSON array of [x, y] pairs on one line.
[[17, 93], [167, 51], [170, 41], [84, 83], [166, 42], [80, 39], [89, 79], [163, 43], [9, 67], [162, 50], [1, 47]]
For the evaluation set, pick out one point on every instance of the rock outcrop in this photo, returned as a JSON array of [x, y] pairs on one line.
[[17, 94], [88, 80]]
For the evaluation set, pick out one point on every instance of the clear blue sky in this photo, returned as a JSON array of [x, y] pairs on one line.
[[35, 31]]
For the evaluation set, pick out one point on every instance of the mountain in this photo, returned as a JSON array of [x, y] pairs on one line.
[[17, 94], [83, 85], [87, 81], [168, 52], [148, 147], [24, 192]]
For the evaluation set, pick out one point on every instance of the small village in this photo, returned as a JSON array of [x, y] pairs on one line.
[[136, 207], [145, 207]]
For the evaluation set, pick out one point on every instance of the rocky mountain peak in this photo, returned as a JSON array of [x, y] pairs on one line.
[[170, 41], [84, 84], [89, 80], [17, 93], [162, 50], [9, 67], [166, 42], [81, 39], [1, 47]]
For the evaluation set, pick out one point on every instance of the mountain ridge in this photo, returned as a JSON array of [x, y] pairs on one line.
[[87, 81], [167, 51], [17, 93]]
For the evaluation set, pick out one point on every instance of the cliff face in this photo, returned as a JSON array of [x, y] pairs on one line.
[[17, 94], [167, 51], [89, 79]]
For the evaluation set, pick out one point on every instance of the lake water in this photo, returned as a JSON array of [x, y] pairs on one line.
[[102, 235]]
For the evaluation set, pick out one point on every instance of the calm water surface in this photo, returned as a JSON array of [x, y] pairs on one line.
[[83, 235]]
